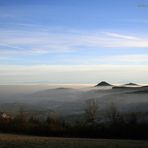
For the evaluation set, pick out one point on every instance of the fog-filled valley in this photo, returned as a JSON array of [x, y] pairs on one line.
[[69, 100]]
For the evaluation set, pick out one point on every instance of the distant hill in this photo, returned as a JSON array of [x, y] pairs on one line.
[[131, 84], [146, 86], [103, 83], [63, 88], [127, 86], [124, 87]]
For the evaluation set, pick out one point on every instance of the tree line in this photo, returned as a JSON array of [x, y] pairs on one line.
[[115, 124]]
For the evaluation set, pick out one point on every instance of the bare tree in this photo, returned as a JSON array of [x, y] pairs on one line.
[[21, 116], [113, 114], [91, 110]]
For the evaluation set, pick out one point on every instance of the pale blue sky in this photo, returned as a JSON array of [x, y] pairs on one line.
[[74, 34]]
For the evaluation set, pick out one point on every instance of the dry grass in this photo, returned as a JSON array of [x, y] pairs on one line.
[[17, 141]]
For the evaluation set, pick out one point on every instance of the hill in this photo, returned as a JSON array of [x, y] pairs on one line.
[[103, 83], [131, 84]]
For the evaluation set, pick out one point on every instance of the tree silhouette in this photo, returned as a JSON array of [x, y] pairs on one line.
[[91, 110]]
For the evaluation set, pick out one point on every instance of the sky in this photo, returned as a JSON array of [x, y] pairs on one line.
[[73, 41]]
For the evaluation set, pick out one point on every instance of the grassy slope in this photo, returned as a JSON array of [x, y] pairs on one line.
[[16, 141]]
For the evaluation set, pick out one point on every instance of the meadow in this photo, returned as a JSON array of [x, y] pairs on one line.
[[21, 141]]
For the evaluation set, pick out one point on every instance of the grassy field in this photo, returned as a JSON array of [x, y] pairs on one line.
[[16, 141]]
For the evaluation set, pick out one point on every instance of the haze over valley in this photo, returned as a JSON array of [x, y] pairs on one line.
[[71, 100]]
